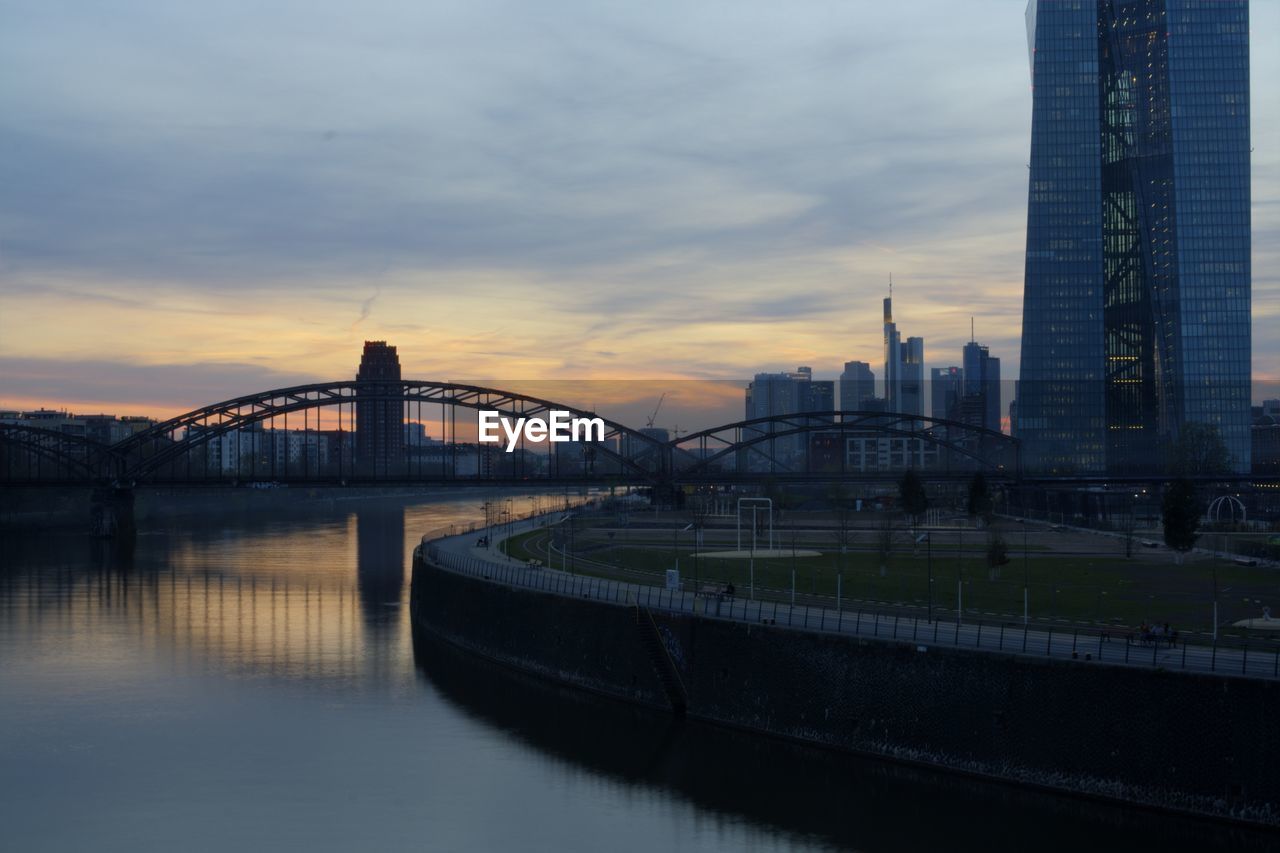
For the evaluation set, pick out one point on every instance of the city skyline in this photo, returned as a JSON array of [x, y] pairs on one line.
[[135, 296], [491, 425]]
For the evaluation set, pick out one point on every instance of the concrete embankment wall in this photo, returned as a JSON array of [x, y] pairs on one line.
[[593, 647], [1199, 743]]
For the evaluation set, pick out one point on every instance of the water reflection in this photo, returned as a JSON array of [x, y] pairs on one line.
[[318, 596], [380, 561], [827, 798], [316, 601]]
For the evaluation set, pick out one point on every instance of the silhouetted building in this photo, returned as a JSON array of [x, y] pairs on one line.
[[772, 394], [822, 397], [1136, 309], [903, 368], [379, 422], [1013, 412], [982, 387], [104, 429], [944, 391], [857, 385]]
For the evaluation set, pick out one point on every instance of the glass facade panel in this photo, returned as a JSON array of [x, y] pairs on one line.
[[1136, 305]]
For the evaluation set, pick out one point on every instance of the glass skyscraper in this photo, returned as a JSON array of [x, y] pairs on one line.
[[1136, 307]]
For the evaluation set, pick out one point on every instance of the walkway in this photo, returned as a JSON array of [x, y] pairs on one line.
[[460, 553]]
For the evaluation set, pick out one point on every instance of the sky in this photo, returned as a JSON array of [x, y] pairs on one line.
[[205, 200]]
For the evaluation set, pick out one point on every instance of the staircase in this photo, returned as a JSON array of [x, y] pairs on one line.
[[661, 660]]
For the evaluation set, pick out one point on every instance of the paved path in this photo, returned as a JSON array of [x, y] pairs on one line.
[[460, 553]]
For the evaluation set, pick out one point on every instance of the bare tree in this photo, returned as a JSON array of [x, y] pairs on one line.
[[997, 552], [842, 506], [1128, 524], [884, 543]]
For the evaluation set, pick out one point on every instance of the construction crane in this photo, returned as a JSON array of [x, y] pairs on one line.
[[649, 423]]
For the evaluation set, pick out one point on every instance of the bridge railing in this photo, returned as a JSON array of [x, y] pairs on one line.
[[518, 522], [1083, 645]]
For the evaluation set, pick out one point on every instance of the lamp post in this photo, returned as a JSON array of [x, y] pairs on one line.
[[928, 541], [1026, 577], [697, 534], [959, 575], [511, 512], [675, 547], [1215, 601]]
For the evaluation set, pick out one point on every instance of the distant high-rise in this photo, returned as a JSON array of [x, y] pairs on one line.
[[945, 388], [982, 381], [903, 368], [857, 385], [1136, 309], [822, 396], [379, 422], [1013, 412], [771, 394]]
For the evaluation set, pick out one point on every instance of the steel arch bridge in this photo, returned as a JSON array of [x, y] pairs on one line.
[[39, 455], [820, 445], [306, 434], [169, 450]]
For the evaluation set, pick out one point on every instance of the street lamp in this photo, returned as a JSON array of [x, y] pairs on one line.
[[1026, 577], [1215, 601], [697, 534], [959, 575], [928, 541]]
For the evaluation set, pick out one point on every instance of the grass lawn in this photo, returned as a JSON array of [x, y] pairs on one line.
[[1085, 588]]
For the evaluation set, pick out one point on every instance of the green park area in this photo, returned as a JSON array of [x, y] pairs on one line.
[[1070, 577]]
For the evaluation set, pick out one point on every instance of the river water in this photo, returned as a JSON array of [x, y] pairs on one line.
[[249, 682]]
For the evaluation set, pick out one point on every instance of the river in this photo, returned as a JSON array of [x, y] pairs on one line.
[[252, 681]]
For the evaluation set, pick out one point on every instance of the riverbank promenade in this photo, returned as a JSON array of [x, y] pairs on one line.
[[477, 553]]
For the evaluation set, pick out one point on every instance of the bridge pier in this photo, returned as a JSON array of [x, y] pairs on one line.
[[111, 512]]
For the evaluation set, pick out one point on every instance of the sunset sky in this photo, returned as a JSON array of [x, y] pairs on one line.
[[206, 200]]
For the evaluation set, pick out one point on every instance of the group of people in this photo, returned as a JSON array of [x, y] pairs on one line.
[[1158, 634], [720, 592]]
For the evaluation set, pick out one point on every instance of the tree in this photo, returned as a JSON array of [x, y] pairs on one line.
[[884, 543], [1129, 524], [997, 553], [980, 504], [1197, 451], [1181, 512], [911, 493], [842, 504], [915, 502]]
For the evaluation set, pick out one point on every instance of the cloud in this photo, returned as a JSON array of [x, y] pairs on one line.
[[122, 387], [530, 189], [366, 307]]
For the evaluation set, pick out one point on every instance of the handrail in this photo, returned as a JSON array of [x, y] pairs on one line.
[[454, 554]]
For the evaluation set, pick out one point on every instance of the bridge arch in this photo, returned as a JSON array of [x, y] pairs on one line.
[[37, 454], [150, 453], [754, 443]]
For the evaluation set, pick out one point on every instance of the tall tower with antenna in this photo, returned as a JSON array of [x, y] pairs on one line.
[[903, 366]]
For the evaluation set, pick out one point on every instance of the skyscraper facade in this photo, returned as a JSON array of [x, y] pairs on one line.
[[857, 385], [1136, 308], [771, 394], [903, 368], [982, 381], [945, 389], [379, 422]]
